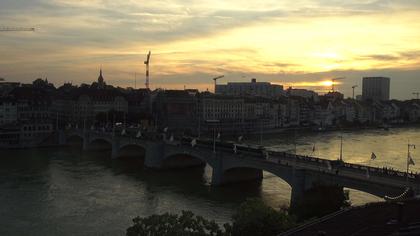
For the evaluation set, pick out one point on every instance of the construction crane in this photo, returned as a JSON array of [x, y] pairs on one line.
[[333, 82], [215, 81], [147, 62], [353, 87], [417, 95], [3, 29]]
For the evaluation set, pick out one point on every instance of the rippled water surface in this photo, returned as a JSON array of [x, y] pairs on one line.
[[70, 192]]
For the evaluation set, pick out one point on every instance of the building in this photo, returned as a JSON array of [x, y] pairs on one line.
[[304, 93], [97, 104], [227, 110], [8, 111], [411, 110], [324, 114], [333, 96], [238, 114], [139, 106], [175, 110], [7, 87], [292, 117], [33, 104], [376, 88], [253, 88]]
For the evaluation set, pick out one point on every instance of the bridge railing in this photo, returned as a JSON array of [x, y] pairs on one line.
[[262, 154]]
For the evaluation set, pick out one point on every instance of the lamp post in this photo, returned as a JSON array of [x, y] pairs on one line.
[[261, 131], [199, 113], [214, 123], [409, 158], [341, 147], [294, 142], [113, 125]]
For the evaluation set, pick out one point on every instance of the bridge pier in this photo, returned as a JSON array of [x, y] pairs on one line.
[[310, 191], [85, 145], [299, 187], [115, 148], [221, 176], [155, 154], [62, 140], [217, 174]]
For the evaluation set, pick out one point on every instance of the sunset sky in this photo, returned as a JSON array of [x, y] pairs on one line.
[[291, 42]]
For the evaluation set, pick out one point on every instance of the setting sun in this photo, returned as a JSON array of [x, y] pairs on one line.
[[326, 83]]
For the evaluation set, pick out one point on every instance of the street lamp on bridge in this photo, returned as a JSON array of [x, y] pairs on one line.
[[214, 124], [410, 160]]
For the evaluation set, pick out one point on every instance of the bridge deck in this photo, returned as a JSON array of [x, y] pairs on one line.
[[359, 172]]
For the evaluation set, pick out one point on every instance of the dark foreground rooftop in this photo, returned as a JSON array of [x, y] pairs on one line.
[[385, 218]]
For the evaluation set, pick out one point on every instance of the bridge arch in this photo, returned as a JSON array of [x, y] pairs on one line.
[[99, 143], [358, 197], [74, 139], [378, 190], [132, 150], [179, 159], [247, 172]]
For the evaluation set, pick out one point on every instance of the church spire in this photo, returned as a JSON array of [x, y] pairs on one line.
[[101, 82]]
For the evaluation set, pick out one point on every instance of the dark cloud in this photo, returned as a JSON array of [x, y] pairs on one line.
[[111, 22], [407, 55], [411, 55], [67, 26], [280, 65], [380, 57]]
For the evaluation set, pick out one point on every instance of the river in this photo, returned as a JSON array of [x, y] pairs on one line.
[[65, 191]]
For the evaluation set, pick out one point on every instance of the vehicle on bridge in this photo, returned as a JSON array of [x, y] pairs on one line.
[[227, 146]]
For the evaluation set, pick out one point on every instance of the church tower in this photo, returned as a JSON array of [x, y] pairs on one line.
[[101, 82]]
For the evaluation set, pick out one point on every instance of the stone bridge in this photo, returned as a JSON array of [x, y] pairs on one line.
[[229, 166]]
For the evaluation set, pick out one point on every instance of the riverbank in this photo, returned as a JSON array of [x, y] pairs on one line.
[[312, 130]]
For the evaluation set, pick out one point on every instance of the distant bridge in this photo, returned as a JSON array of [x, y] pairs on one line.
[[244, 163]]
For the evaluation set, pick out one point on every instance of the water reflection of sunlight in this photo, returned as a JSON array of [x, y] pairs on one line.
[[275, 191], [359, 198], [389, 146]]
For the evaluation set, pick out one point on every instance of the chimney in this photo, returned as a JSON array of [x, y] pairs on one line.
[[253, 80]]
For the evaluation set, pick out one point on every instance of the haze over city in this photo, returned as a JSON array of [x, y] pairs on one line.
[[295, 43]]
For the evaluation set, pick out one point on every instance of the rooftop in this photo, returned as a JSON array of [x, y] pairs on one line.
[[384, 218]]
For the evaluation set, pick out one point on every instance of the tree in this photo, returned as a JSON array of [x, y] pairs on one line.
[[256, 218], [252, 218], [187, 224]]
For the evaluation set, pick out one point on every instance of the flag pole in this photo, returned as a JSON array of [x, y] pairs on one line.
[[294, 143], [409, 158], [341, 146], [313, 150], [408, 161]]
